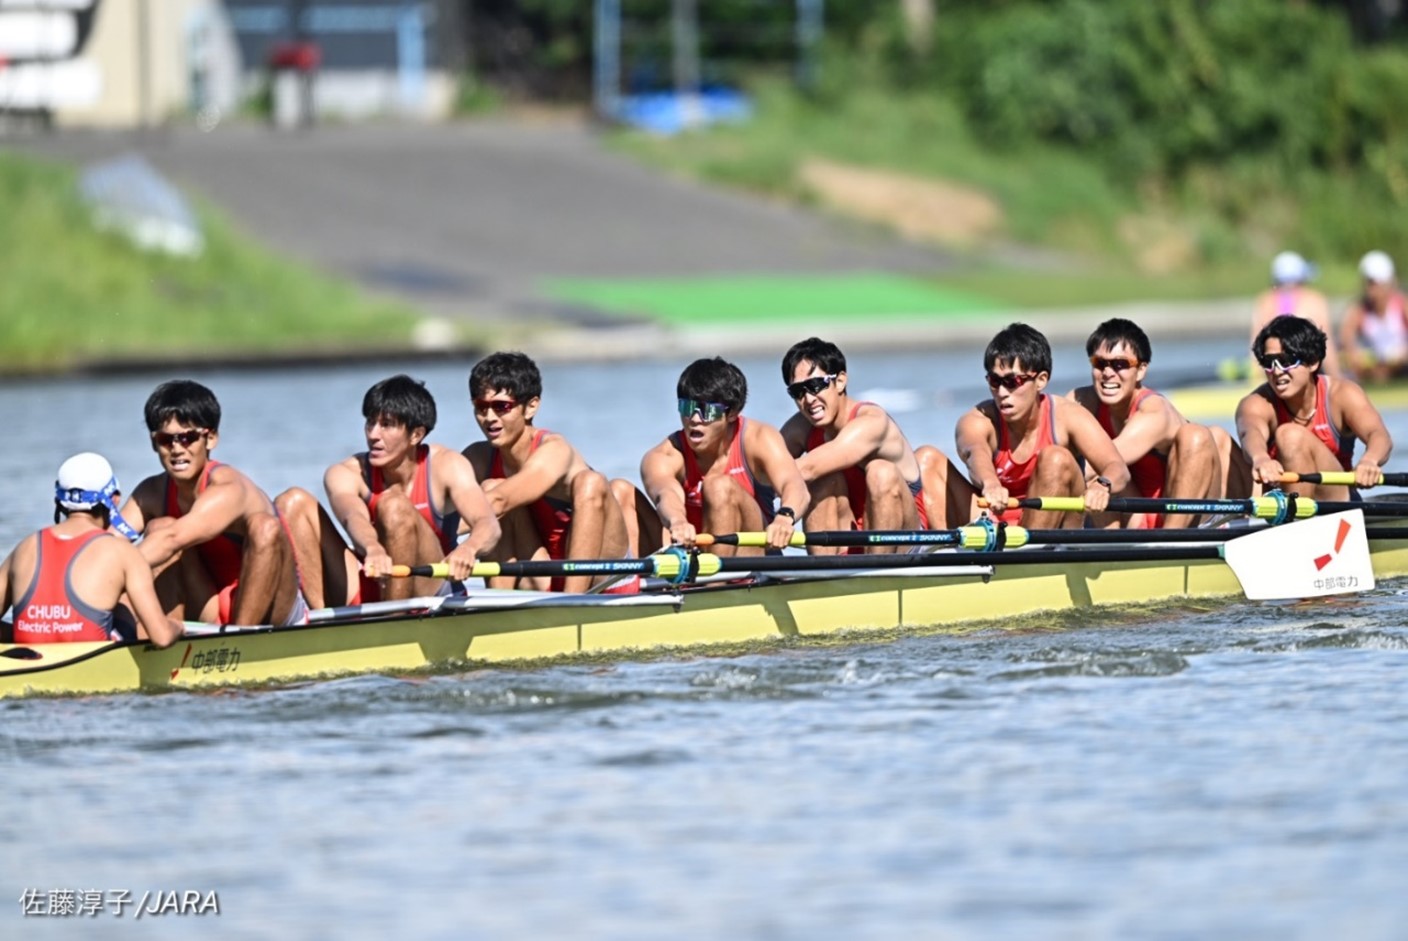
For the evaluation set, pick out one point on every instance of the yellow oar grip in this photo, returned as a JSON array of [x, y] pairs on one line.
[[756, 540], [442, 570], [1327, 478], [1064, 504], [437, 570]]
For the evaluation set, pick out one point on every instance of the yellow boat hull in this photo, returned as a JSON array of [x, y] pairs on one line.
[[1217, 402], [516, 627]]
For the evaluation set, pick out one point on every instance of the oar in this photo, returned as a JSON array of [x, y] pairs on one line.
[[969, 537], [1269, 563], [1268, 507], [974, 537], [1342, 479]]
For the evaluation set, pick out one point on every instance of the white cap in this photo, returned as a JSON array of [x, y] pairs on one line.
[[85, 481], [1377, 267], [1291, 268]]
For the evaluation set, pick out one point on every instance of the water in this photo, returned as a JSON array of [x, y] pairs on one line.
[[1178, 772]]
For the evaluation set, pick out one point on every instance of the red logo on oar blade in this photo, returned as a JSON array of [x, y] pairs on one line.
[[1340, 537]]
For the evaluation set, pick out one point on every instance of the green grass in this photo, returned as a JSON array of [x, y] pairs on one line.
[[1057, 201], [72, 294], [745, 301]]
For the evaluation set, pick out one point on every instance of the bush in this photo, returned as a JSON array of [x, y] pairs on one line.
[[1155, 88]]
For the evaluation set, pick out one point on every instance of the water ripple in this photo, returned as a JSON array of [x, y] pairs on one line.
[[1151, 664]]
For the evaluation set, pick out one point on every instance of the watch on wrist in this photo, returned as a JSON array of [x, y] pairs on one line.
[[788, 512], [1105, 482]]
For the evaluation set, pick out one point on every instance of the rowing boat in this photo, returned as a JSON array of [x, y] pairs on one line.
[[785, 597]]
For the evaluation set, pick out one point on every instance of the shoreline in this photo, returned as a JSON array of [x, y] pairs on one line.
[[634, 341]]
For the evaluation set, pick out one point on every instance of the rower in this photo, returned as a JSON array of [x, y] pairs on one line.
[[550, 502], [68, 582], [1375, 328], [402, 500], [220, 552], [1302, 421], [1167, 455], [859, 466], [1024, 442], [1291, 295], [721, 472]]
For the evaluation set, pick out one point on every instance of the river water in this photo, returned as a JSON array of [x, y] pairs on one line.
[[1180, 772]]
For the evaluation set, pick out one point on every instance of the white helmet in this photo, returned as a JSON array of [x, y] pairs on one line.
[[85, 481], [1291, 268], [1377, 267]]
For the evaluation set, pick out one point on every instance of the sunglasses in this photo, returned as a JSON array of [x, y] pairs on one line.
[[1100, 364], [1011, 381], [185, 439], [497, 406], [816, 385], [707, 411], [1273, 363]]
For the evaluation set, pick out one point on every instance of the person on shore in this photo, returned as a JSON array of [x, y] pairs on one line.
[[1374, 333], [549, 501], [1291, 295], [859, 467], [67, 582], [1023, 442], [402, 501], [214, 539], [1302, 421], [721, 472], [1167, 455]]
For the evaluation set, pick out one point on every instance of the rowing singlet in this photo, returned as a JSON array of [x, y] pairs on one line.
[[1286, 298], [1149, 474], [224, 555], [49, 611], [551, 517], [445, 525], [1017, 478], [855, 480], [1387, 336], [1340, 443], [737, 469]]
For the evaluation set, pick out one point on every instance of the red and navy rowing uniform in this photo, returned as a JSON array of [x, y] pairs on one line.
[[49, 611]]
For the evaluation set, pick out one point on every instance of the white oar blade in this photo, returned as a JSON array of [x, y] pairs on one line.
[[1323, 555]]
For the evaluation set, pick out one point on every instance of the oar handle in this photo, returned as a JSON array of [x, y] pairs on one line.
[[1342, 479], [437, 570], [757, 540]]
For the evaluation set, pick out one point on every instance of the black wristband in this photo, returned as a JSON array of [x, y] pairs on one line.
[[788, 512], [1105, 482]]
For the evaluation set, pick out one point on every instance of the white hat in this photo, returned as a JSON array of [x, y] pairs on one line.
[[1377, 267], [1290, 268], [85, 481]]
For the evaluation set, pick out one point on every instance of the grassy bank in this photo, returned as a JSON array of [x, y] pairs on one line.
[[73, 295], [1063, 233]]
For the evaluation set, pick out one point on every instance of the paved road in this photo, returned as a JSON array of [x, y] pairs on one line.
[[468, 220]]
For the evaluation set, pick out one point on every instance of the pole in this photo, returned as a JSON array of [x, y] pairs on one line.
[[684, 34], [606, 74], [144, 65], [810, 17]]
